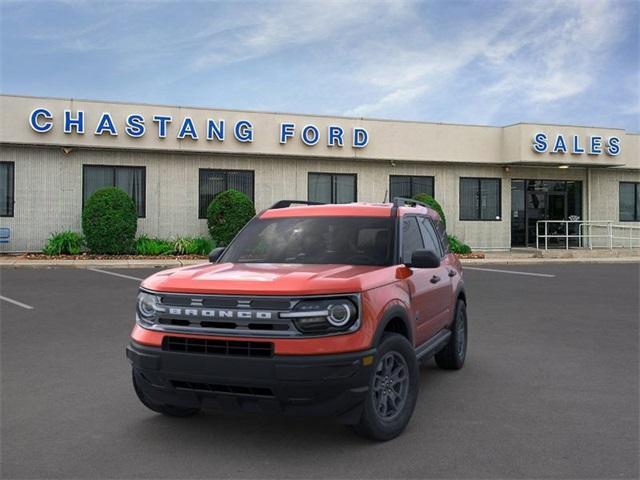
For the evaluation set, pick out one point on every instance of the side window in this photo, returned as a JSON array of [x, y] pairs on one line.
[[431, 241], [444, 239], [411, 238]]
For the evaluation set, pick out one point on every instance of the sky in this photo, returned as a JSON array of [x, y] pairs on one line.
[[476, 62]]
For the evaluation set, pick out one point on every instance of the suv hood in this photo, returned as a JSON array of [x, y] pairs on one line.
[[270, 279]]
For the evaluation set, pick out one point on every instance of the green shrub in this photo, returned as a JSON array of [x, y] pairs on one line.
[[431, 202], [109, 221], [64, 243], [192, 246], [227, 214], [153, 246], [456, 246]]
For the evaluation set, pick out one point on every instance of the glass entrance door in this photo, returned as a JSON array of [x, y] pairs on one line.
[[534, 200]]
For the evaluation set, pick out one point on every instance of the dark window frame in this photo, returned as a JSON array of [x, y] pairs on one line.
[[636, 203], [479, 212], [226, 172], [333, 184], [12, 184], [114, 167], [411, 177], [435, 237]]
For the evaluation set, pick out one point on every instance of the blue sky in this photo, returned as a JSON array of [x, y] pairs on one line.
[[480, 62]]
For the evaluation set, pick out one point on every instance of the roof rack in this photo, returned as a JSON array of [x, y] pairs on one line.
[[401, 202], [288, 203]]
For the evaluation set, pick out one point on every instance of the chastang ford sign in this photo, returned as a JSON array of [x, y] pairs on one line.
[[135, 125]]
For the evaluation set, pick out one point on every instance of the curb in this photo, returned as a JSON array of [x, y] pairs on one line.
[[159, 263]]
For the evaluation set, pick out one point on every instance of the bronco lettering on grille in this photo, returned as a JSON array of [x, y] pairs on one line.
[[215, 313]]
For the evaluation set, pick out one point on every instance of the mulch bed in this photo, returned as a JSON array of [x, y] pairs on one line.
[[90, 256], [470, 255]]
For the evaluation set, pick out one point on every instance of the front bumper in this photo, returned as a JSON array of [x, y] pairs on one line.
[[318, 385]]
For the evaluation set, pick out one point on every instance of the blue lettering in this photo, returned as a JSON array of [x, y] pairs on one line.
[[162, 121], [540, 143], [188, 128], [310, 135], [243, 131], [360, 138], [335, 136], [560, 145], [595, 145], [135, 125], [286, 131], [214, 130], [34, 120], [106, 123], [613, 146], [70, 123], [576, 145]]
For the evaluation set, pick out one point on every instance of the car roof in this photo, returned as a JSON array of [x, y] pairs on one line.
[[359, 209]]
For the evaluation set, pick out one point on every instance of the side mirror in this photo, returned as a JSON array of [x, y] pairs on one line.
[[215, 254], [424, 259]]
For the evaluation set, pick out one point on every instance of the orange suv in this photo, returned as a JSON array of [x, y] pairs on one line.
[[311, 310]]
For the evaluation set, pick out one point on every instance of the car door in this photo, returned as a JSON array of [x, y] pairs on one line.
[[442, 279], [423, 289]]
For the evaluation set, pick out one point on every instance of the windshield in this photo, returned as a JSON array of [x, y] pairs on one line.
[[314, 240]]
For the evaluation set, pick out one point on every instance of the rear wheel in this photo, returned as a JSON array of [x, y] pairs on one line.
[[453, 355], [169, 410], [393, 390]]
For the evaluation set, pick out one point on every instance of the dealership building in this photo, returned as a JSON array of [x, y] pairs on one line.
[[494, 183]]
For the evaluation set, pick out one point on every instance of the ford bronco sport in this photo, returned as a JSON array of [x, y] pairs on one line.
[[311, 310]]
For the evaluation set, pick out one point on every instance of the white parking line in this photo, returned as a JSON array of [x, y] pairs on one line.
[[115, 274], [15, 302], [531, 274]]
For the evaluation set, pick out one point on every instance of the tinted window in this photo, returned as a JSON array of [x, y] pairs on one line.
[[431, 241], [6, 189], [480, 199], [129, 179], [411, 238], [315, 240], [332, 188], [408, 186], [213, 182], [629, 197]]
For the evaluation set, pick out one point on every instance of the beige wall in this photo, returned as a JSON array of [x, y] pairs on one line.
[[48, 190], [389, 140]]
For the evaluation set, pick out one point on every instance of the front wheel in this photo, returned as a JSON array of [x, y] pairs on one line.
[[452, 356], [393, 390]]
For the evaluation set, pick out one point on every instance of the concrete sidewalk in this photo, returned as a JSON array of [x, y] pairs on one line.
[[514, 257]]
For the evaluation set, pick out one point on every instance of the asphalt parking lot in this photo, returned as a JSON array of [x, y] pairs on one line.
[[550, 390]]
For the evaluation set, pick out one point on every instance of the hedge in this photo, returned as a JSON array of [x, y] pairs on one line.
[[109, 221], [227, 214]]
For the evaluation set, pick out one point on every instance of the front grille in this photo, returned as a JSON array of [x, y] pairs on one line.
[[218, 347], [215, 388]]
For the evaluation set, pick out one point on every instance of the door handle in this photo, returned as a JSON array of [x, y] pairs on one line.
[[435, 279], [452, 273]]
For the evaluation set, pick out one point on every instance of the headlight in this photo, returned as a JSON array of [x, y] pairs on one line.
[[147, 304], [324, 315]]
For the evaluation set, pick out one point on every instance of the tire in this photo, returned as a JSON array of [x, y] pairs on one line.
[[168, 410], [385, 415], [452, 356]]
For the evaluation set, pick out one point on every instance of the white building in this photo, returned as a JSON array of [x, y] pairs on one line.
[[494, 183]]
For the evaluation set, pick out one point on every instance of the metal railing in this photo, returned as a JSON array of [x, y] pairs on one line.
[[614, 236]]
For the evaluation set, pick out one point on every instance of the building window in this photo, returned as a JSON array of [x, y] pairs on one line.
[[408, 186], [629, 202], [130, 179], [480, 199], [6, 189], [332, 187], [212, 182]]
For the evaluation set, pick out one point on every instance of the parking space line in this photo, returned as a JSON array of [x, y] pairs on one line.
[[115, 274], [547, 275], [15, 302]]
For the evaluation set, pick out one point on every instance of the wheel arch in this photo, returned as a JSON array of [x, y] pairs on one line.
[[395, 319]]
